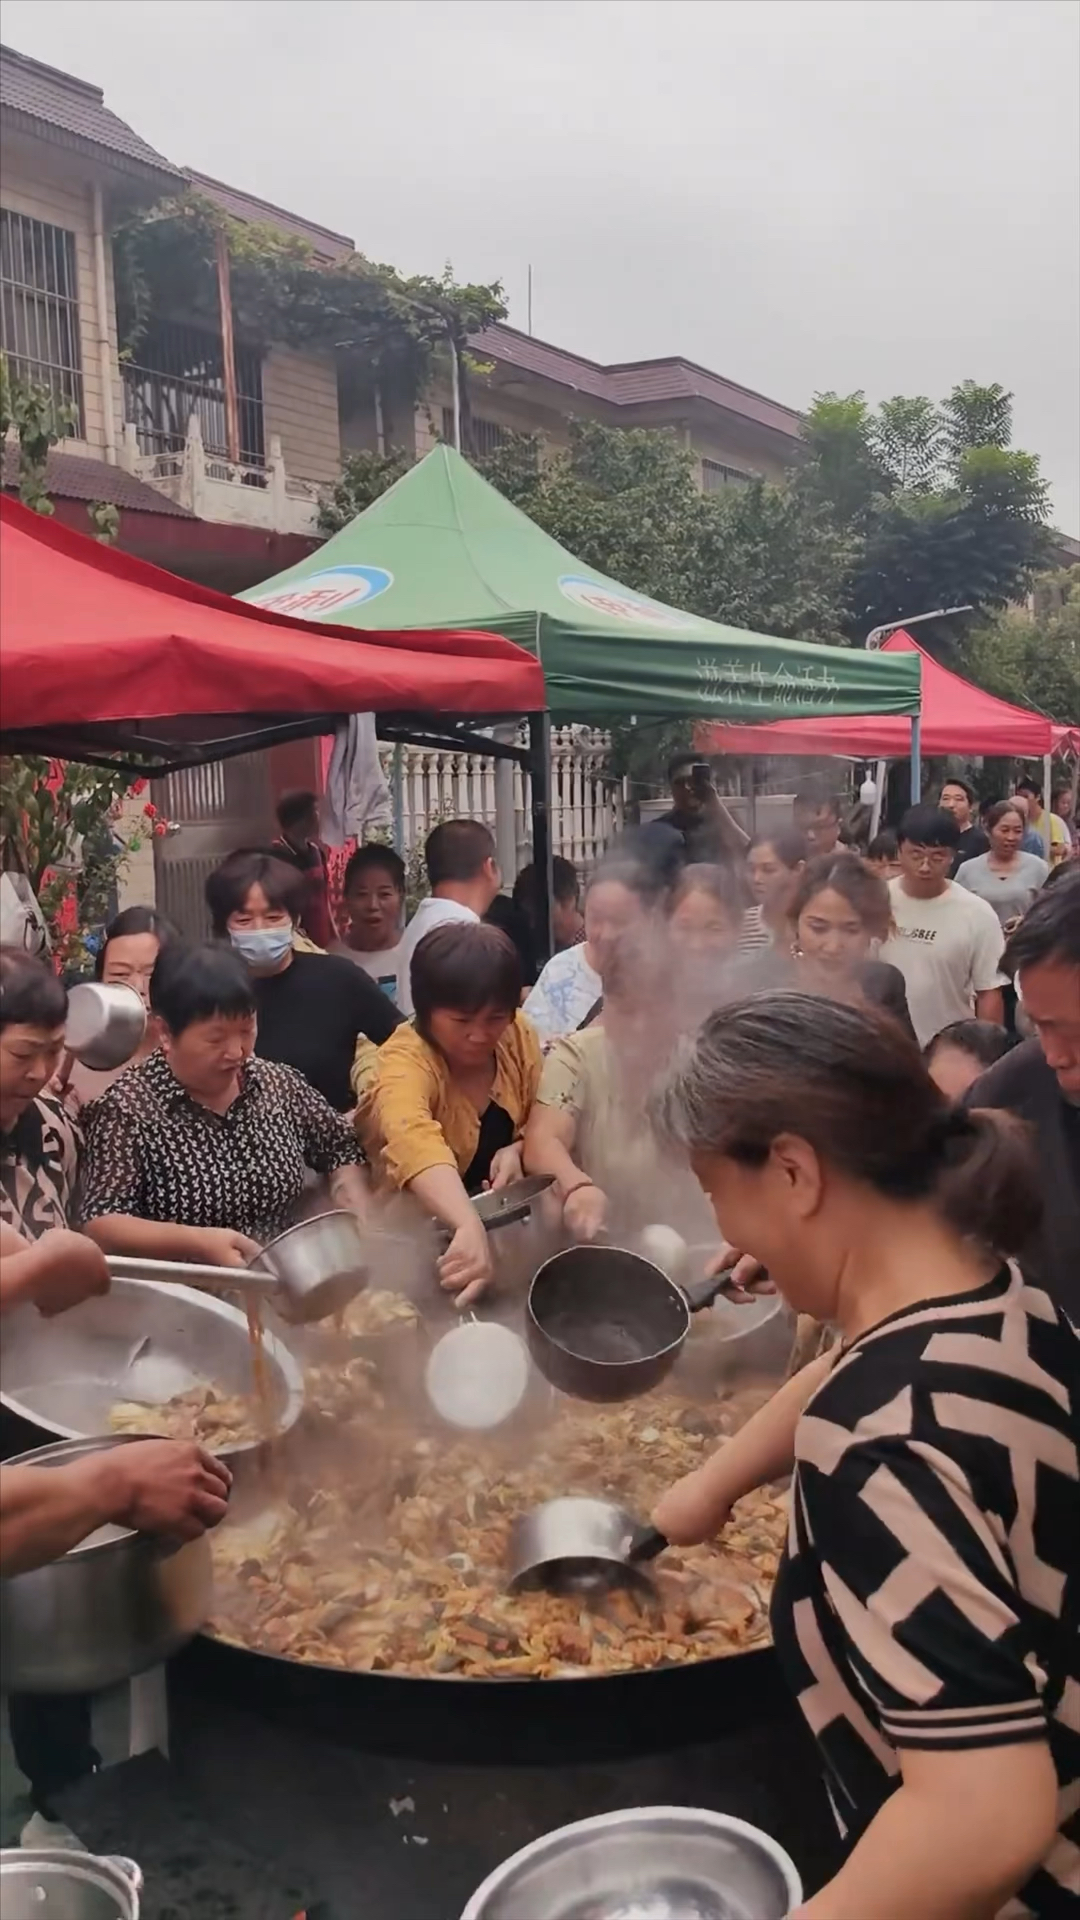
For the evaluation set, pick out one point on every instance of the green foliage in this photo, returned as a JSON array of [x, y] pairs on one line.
[[945, 512], [1034, 662], [38, 425], [57, 825], [364, 476], [379, 324], [104, 517]]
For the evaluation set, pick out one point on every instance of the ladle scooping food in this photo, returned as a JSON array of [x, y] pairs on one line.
[[307, 1273], [604, 1324], [576, 1545]]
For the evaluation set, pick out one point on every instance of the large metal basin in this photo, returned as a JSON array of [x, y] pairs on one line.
[[50, 1884], [115, 1605], [64, 1375]]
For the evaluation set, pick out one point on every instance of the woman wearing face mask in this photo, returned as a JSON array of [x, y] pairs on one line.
[[444, 1106], [126, 958], [773, 865], [923, 1608], [201, 1152], [314, 1009]]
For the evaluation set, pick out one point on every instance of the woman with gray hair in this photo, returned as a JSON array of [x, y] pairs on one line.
[[925, 1608]]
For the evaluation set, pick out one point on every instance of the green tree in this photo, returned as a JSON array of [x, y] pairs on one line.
[[1033, 662], [943, 512], [364, 476]]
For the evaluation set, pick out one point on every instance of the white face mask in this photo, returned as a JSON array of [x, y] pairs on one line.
[[262, 946]]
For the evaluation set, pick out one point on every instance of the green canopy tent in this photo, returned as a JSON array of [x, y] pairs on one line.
[[443, 548]]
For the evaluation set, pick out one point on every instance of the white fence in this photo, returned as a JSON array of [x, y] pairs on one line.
[[586, 808]]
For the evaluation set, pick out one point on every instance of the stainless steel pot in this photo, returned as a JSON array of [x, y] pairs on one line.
[[105, 1025], [576, 1544], [317, 1266], [117, 1604], [59, 1884], [642, 1862], [138, 1342]]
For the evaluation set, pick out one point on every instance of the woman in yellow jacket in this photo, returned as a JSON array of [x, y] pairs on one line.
[[444, 1104]]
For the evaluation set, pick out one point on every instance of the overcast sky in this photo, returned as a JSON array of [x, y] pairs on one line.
[[881, 194]]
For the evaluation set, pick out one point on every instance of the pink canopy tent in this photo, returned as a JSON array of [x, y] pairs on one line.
[[956, 718]]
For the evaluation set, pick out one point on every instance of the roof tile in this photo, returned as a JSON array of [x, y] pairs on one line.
[[74, 107], [72, 477]]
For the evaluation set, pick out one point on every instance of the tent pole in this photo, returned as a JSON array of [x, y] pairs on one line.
[[540, 782], [1048, 801], [397, 796], [505, 830], [879, 798], [916, 758]]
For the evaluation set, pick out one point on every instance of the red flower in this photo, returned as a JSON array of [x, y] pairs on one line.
[[150, 810], [160, 829], [138, 786]]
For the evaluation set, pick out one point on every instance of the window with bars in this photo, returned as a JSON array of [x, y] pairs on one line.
[[714, 475], [39, 311], [484, 435], [178, 371]]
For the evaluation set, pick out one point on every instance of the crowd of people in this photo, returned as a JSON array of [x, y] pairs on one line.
[[817, 1045]]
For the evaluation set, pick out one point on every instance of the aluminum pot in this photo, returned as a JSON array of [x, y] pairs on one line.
[[605, 1325], [53, 1883], [115, 1605], [105, 1025], [642, 1861], [576, 1545], [318, 1266]]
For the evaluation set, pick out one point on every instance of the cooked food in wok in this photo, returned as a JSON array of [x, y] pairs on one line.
[[378, 1311], [208, 1414], [389, 1553]]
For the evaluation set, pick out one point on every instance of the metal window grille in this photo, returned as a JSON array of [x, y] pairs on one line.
[[484, 436], [714, 475], [180, 371], [39, 311]]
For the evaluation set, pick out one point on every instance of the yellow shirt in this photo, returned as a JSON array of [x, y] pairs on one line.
[[412, 1115]]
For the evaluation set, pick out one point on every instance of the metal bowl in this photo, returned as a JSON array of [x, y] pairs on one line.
[[52, 1884], [644, 1863], [105, 1025], [140, 1341], [117, 1604]]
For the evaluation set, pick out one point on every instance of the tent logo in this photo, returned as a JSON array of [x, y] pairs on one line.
[[326, 593], [617, 603]]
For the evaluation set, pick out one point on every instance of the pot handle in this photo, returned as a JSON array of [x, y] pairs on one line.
[[130, 1869], [645, 1544], [702, 1293]]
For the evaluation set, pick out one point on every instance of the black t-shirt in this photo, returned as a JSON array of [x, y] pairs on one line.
[[973, 841], [311, 1016], [700, 836], [1022, 1083]]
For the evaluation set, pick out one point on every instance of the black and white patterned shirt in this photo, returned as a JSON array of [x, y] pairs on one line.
[[39, 1168], [155, 1153], [928, 1595]]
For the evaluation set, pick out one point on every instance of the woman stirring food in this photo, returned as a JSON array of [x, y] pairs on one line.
[[925, 1608], [443, 1109], [200, 1152]]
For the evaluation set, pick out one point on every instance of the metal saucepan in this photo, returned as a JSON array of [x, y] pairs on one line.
[[105, 1025], [309, 1272], [53, 1883], [116, 1605], [604, 1324], [140, 1343], [515, 1202], [641, 1862], [577, 1545]]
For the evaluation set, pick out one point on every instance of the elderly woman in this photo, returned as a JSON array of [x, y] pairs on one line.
[[40, 1144], [588, 1128], [445, 1105], [126, 958], [200, 1152], [314, 1009], [1006, 876], [925, 1608]]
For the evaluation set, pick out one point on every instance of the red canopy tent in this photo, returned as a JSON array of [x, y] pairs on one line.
[[956, 718], [96, 643]]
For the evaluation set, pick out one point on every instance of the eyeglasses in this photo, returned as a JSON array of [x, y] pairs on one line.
[[930, 856]]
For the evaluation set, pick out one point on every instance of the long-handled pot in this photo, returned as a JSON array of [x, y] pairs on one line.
[[576, 1545], [308, 1272], [605, 1325]]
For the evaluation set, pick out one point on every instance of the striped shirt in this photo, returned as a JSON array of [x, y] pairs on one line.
[[754, 933], [928, 1594]]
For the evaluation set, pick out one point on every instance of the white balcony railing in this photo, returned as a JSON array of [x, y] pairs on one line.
[[229, 492]]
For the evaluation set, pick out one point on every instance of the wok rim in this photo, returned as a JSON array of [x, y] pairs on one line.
[[585, 1360]]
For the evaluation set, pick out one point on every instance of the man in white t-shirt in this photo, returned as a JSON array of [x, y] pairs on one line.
[[464, 877], [946, 942]]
